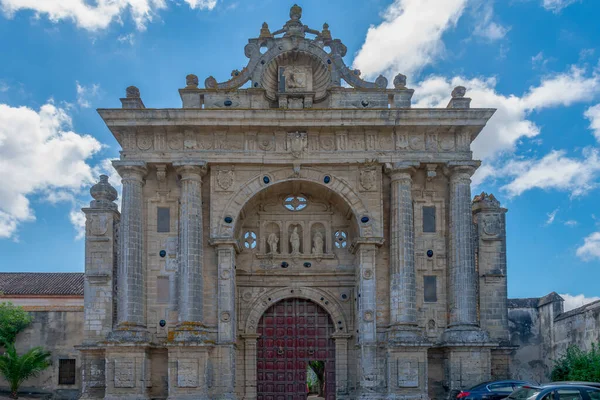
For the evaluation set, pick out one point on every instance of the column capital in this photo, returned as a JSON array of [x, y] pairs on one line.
[[192, 169], [224, 243], [401, 170], [131, 169], [369, 243], [457, 168]]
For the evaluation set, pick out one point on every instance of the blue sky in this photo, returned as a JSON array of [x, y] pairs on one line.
[[537, 61]]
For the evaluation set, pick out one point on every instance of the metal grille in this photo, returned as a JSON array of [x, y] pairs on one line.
[[66, 371], [293, 332]]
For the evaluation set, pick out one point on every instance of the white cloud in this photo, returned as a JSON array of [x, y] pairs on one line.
[[575, 301], [409, 38], [551, 217], [590, 249], [485, 27], [77, 218], [593, 114], [129, 39], [539, 61], [4, 87], [99, 15], [554, 171], [571, 223], [556, 5], [39, 154], [86, 93]]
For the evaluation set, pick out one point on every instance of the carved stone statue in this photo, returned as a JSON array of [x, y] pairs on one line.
[[295, 241], [317, 244], [273, 240]]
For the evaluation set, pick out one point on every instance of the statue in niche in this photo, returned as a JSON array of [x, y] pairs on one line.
[[317, 244], [295, 241], [273, 240]]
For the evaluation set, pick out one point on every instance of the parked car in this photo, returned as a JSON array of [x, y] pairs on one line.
[[492, 390], [553, 391], [592, 384]]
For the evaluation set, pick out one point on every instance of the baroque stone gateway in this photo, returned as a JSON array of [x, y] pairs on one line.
[[282, 217]]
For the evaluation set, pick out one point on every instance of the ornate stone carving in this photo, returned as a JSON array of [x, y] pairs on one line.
[[327, 143], [144, 141], [225, 316], [368, 315], [189, 141], [400, 81], [225, 179], [317, 244], [492, 224], [459, 92], [98, 225], [416, 141], [295, 241], [368, 274], [265, 142], [225, 274], [368, 178], [272, 241], [175, 141], [297, 143], [132, 92], [191, 81]]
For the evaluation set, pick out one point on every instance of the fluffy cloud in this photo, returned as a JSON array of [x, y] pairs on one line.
[[40, 154], [572, 302], [593, 114], [556, 5], [409, 38], [551, 217], [511, 122], [99, 15], [86, 93], [590, 249], [485, 27]]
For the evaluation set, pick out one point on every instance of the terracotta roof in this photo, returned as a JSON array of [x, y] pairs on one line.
[[41, 284]]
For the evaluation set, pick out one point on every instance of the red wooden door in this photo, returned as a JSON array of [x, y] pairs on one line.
[[292, 333]]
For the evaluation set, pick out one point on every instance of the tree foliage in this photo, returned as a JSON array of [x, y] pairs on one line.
[[578, 365], [13, 319], [17, 369], [319, 368]]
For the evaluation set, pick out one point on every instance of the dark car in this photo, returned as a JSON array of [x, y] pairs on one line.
[[556, 392], [491, 390], [592, 384]]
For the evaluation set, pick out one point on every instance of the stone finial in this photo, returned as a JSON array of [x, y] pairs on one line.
[[486, 200], [296, 12], [191, 81], [326, 33], [132, 92], [459, 92], [104, 194], [265, 33], [400, 81]]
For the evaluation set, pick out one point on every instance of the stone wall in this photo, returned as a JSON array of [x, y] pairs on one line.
[[58, 332], [543, 333]]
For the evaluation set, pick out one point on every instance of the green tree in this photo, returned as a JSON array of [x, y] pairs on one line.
[[319, 368], [13, 319], [17, 369], [578, 365]]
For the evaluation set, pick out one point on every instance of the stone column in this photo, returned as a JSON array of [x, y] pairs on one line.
[[403, 291], [366, 317], [131, 316], [250, 378], [190, 279], [462, 280], [341, 362], [226, 314]]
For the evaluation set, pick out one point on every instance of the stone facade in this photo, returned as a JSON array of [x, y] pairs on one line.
[[294, 187]]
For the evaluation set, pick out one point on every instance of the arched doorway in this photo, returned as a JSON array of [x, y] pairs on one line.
[[293, 332]]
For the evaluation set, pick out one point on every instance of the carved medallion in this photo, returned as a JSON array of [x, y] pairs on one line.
[[225, 274], [225, 179], [225, 316], [368, 274], [265, 142], [176, 141], [247, 296], [368, 316], [327, 143], [144, 142], [416, 141], [368, 179], [447, 142], [98, 225], [492, 225]]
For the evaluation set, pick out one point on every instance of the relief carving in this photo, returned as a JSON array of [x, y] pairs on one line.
[[368, 178], [327, 143], [265, 142], [492, 225], [273, 241], [225, 179], [144, 141], [416, 141], [318, 244], [401, 141], [98, 225], [189, 141], [176, 141], [297, 143]]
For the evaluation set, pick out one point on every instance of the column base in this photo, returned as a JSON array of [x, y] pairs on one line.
[[189, 332], [188, 371], [465, 335], [406, 335], [129, 333]]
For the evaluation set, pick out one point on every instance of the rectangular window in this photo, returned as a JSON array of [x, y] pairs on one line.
[[162, 289], [66, 371], [428, 219], [430, 290], [163, 219]]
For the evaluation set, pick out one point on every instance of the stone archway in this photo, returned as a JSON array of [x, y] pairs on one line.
[[319, 297]]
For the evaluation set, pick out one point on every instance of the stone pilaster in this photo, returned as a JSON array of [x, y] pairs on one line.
[[463, 324], [369, 381], [403, 291], [226, 342], [131, 315], [490, 225], [341, 362], [191, 252], [250, 366]]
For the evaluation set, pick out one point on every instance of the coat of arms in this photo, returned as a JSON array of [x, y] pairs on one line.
[[492, 225], [367, 178], [297, 143], [225, 179], [98, 225]]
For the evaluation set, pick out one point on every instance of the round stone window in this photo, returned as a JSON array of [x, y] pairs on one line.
[[250, 240], [340, 239], [295, 203]]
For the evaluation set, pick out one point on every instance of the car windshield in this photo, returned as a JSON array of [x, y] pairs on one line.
[[524, 393]]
